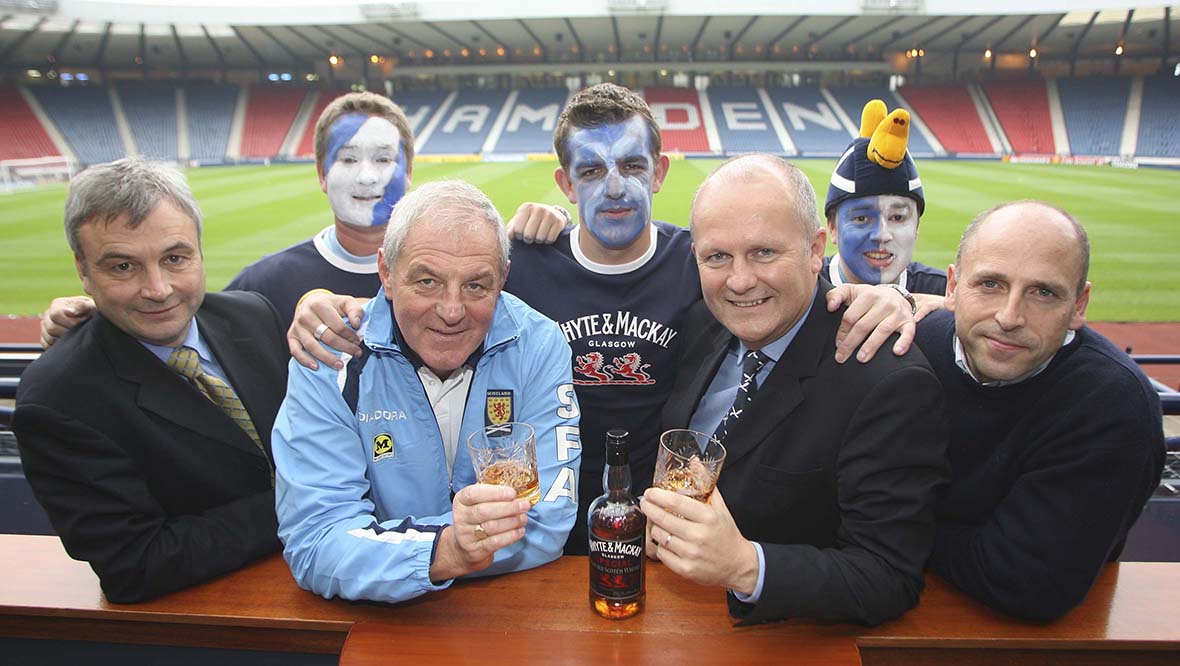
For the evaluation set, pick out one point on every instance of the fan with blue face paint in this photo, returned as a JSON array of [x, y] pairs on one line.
[[875, 236], [612, 176], [364, 172]]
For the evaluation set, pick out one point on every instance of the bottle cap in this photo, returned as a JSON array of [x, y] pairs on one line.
[[616, 446]]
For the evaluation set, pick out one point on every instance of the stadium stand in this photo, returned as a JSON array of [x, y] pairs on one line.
[[743, 121], [21, 135], [86, 120], [151, 113], [1095, 109], [853, 99], [814, 126], [951, 115], [21, 513], [1022, 107], [466, 123], [1159, 134], [270, 110], [420, 106], [306, 147], [678, 112], [528, 127], [210, 117]]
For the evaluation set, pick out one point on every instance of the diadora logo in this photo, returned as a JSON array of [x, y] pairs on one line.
[[626, 369], [382, 447], [381, 415]]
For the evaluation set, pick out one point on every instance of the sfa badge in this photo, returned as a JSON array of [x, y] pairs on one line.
[[382, 447], [499, 408]]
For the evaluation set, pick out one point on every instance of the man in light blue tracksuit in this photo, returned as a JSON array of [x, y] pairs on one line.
[[375, 493]]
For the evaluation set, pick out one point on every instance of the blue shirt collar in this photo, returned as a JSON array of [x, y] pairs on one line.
[[192, 339]]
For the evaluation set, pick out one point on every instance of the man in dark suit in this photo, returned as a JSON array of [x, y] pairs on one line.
[[825, 506], [156, 480]]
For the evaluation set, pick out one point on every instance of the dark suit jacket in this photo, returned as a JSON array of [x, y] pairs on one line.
[[833, 469], [142, 476]]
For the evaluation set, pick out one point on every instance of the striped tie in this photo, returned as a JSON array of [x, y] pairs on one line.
[[746, 389], [186, 362]]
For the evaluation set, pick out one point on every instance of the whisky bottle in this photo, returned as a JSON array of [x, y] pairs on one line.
[[617, 530]]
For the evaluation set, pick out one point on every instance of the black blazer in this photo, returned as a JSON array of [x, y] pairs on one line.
[[833, 470], [142, 476]]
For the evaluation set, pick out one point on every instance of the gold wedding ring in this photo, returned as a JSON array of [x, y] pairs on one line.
[[480, 532]]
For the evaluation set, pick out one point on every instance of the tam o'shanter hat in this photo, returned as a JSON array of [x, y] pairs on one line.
[[877, 161]]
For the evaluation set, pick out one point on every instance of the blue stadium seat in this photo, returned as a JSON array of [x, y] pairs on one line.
[[1159, 135], [420, 106], [467, 123], [530, 122], [86, 119], [1095, 110], [210, 115], [853, 99], [743, 121], [151, 112], [811, 121]]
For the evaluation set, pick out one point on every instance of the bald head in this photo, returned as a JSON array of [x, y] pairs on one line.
[[790, 185], [1041, 225]]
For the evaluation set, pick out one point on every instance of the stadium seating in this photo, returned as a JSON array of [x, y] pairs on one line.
[[86, 119], [529, 125], [420, 106], [270, 111], [466, 123], [151, 113], [1095, 110], [1159, 133], [951, 115], [678, 110], [1022, 107], [210, 112], [306, 148], [21, 134], [853, 99], [743, 122], [813, 124]]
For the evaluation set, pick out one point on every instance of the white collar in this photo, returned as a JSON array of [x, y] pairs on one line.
[[835, 278], [613, 269], [961, 361]]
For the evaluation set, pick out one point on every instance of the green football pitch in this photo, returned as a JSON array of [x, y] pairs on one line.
[[254, 210]]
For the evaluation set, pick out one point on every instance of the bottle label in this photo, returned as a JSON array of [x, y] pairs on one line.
[[616, 567]]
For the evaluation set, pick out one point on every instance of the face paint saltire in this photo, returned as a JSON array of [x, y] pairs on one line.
[[364, 169], [612, 170]]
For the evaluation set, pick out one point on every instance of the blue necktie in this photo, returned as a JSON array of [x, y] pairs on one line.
[[751, 365]]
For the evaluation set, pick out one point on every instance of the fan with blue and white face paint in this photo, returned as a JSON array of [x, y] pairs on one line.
[[875, 236], [613, 175], [364, 170]]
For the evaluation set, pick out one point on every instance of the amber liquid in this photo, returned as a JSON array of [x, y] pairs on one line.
[[615, 522], [515, 475], [687, 482]]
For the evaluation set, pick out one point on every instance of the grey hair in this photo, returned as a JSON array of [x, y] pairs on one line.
[[454, 204], [132, 187], [745, 168], [1083, 237]]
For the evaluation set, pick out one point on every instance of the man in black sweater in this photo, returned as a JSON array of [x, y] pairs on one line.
[[1055, 435]]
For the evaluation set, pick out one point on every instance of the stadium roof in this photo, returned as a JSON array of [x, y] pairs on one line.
[[464, 37]]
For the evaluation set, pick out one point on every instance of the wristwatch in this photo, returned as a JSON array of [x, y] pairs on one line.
[[905, 293]]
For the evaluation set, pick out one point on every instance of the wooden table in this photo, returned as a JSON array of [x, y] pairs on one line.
[[543, 616]]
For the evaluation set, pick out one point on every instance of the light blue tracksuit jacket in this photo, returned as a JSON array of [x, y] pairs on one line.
[[362, 489]]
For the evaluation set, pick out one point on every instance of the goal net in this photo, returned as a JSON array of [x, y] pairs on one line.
[[16, 174]]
